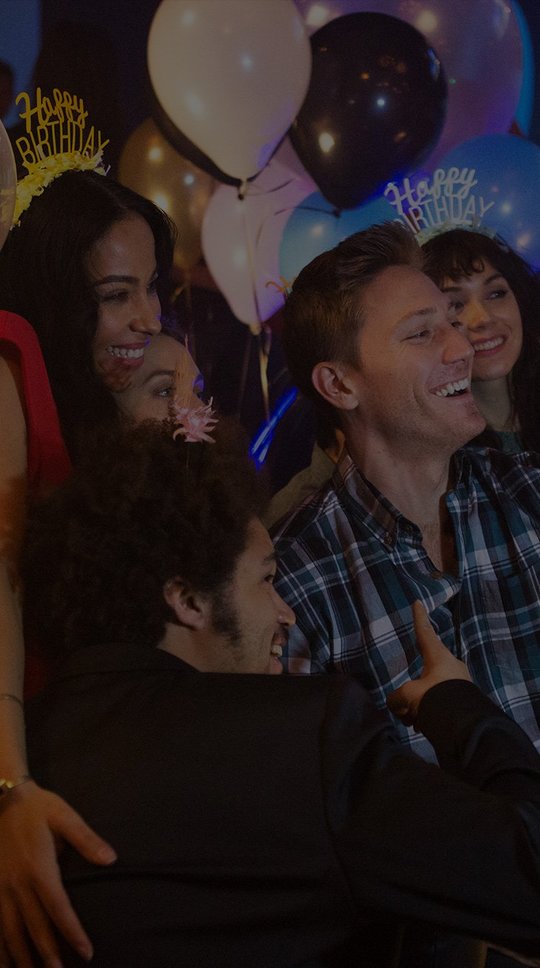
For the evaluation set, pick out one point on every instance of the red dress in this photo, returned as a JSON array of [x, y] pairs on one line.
[[48, 460]]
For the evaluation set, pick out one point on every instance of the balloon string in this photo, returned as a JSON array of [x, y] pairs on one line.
[[184, 291], [251, 262], [264, 333], [265, 343], [244, 372]]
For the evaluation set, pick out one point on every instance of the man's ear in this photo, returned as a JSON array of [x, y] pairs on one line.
[[191, 609], [333, 381]]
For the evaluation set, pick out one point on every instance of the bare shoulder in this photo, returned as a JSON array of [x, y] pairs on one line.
[[13, 422], [13, 465]]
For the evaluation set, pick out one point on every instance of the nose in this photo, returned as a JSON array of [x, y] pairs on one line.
[[285, 614], [197, 390], [147, 318], [457, 346], [474, 315]]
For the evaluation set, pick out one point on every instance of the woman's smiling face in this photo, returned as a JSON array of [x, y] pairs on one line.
[[168, 369], [123, 273], [486, 305]]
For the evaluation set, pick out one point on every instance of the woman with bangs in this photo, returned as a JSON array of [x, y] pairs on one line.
[[496, 294]]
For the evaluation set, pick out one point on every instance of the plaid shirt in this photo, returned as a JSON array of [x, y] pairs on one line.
[[350, 565]]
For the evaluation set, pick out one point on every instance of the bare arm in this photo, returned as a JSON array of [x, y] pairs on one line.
[[32, 820]]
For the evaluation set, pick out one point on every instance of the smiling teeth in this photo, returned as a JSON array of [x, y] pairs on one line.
[[489, 344], [459, 386], [125, 354], [277, 651]]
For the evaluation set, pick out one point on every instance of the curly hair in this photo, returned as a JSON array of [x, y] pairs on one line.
[[43, 277], [140, 509], [459, 253], [323, 314]]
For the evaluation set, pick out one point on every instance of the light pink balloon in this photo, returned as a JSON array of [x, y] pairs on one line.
[[479, 45], [241, 239]]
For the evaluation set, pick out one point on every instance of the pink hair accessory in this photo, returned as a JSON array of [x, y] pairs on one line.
[[194, 424]]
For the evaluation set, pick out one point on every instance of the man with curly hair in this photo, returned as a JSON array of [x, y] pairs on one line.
[[259, 821]]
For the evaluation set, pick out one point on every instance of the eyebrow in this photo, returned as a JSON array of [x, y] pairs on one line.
[[106, 279], [455, 287], [157, 373], [120, 278], [415, 314]]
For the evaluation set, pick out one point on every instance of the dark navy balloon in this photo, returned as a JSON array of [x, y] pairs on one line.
[[374, 109]]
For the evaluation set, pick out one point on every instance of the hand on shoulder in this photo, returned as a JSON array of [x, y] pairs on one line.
[[440, 665]]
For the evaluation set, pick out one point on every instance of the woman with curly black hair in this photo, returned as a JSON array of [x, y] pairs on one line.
[[497, 297]]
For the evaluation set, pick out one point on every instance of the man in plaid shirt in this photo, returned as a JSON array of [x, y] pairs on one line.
[[410, 511]]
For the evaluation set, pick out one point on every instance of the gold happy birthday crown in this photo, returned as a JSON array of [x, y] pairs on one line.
[[56, 140], [445, 202]]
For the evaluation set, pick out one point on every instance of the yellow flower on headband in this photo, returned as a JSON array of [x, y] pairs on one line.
[[50, 168]]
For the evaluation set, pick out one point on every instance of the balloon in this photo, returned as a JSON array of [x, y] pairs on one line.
[[8, 184], [507, 178], [231, 76], [151, 167], [241, 236], [374, 108], [185, 147], [286, 156], [524, 110], [315, 227], [479, 43]]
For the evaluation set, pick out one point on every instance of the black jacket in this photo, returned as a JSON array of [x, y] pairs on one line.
[[272, 822]]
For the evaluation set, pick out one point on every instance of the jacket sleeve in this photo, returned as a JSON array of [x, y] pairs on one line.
[[457, 847]]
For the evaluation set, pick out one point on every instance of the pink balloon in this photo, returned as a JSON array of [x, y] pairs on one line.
[[286, 156], [241, 239], [480, 47]]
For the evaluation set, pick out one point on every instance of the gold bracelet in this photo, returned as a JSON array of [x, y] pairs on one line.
[[7, 785], [8, 695]]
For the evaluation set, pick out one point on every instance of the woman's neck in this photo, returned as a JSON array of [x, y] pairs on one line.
[[494, 401]]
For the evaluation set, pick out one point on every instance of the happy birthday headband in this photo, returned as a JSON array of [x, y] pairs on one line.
[[445, 202], [56, 140]]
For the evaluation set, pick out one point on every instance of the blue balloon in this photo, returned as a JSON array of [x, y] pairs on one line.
[[315, 226], [508, 181]]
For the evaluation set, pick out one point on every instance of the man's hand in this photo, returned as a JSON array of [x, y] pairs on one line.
[[34, 824], [439, 666]]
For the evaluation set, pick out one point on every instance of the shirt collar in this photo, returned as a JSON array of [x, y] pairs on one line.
[[372, 508]]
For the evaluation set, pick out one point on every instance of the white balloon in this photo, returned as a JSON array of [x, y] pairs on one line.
[[241, 240], [231, 75]]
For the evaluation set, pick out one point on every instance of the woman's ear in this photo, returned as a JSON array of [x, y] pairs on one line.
[[192, 610], [333, 381]]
